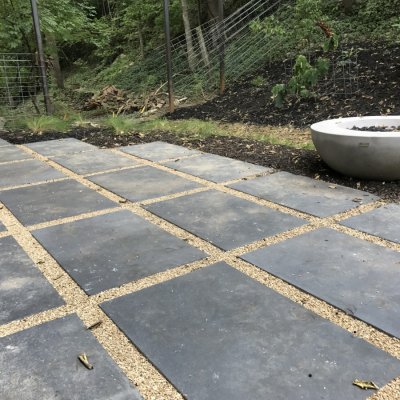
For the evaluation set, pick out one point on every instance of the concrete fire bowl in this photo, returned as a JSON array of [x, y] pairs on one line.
[[360, 154]]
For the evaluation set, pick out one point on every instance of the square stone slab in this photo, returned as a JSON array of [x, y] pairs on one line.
[[3, 143], [383, 222], [222, 219], [216, 168], [93, 161], [356, 276], [305, 194], [158, 151], [49, 201], [25, 172], [42, 363], [59, 147], [217, 334], [12, 153], [145, 183], [23, 288], [109, 250]]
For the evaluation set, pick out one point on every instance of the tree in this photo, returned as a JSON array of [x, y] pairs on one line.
[[62, 21], [188, 34]]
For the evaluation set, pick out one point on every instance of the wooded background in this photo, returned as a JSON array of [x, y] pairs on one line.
[[98, 42]]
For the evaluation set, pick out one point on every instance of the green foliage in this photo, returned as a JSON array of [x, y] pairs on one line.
[[279, 92], [46, 123], [120, 124], [258, 81], [331, 43], [300, 85], [293, 28], [68, 21]]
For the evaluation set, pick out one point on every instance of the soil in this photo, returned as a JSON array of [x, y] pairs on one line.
[[377, 129], [297, 161], [372, 90]]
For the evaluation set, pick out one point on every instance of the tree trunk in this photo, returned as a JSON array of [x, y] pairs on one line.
[[55, 61], [203, 48], [188, 34]]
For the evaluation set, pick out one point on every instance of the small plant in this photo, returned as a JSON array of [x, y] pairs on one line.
[[304, 78], [120, 124], [46, 123], [258, 81], [332, 40]]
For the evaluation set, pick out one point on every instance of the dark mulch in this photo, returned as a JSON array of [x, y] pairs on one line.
[[376, 93], [297, 161]]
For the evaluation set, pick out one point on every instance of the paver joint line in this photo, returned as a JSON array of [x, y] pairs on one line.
[[88, 310]]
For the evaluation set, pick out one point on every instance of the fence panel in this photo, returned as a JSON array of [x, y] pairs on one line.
[[20, 86]]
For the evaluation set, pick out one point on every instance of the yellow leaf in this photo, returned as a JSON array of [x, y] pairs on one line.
[[365, 384]]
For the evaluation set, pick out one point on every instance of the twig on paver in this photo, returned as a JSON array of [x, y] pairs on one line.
[[365, 384], [84, 360], [95, 325]]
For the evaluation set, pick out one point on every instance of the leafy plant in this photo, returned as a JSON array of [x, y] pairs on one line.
[[305, 76]]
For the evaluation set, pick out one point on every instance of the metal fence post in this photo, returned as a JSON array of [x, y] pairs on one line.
[[167, 35], [42, 63], [221, 46]]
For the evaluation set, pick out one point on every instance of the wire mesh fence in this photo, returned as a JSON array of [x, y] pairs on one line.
[[20, 86], [342, 78], [242, 48], [196, 67], [196, 63]]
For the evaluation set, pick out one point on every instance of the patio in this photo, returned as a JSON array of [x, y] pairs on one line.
[[182, 274]]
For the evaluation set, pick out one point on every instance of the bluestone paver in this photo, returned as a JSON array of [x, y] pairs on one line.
[[158, 151], [59, 147], [143, 183], [89, 162], [216, 168], [383, 222], [3, 143], [217, 334], [25, 172], [224, 220], [12, 153], [23, 288], [356, 276], [49, 201], [305, 194], [42, 363], [109, 250]]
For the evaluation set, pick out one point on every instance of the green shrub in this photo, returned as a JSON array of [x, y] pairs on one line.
[[300, 85]]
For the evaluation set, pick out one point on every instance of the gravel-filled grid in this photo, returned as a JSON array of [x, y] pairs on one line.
[[116, 339]]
